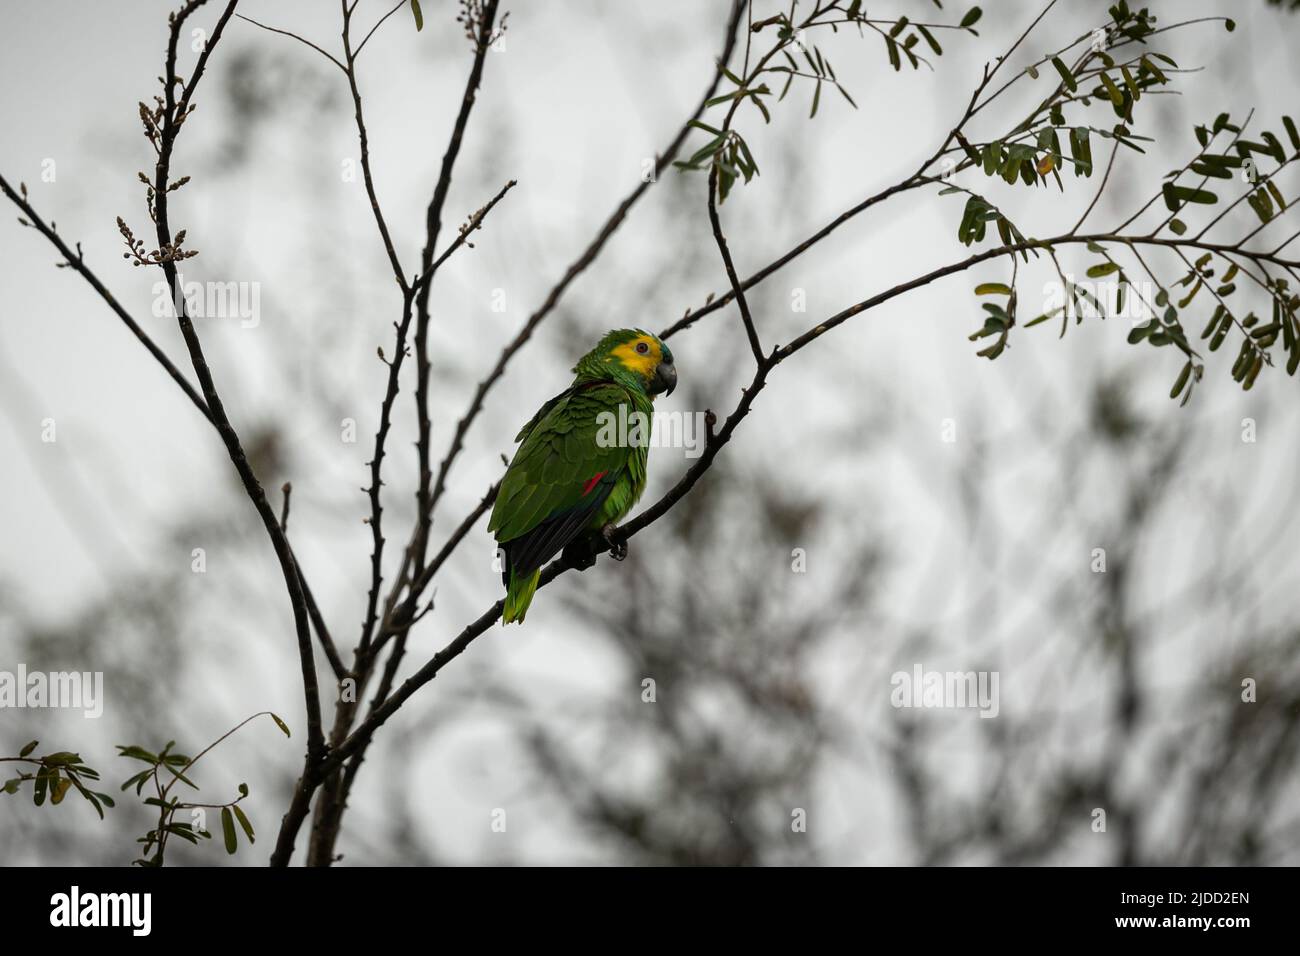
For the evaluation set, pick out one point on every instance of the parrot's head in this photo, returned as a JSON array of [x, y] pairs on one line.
[[633, 356]]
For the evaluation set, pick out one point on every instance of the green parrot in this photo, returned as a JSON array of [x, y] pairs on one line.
[[582, 462]]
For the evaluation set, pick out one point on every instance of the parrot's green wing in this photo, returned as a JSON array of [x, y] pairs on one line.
[[560, 476]]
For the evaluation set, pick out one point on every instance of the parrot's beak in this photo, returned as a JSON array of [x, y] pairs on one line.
[[665, 379]]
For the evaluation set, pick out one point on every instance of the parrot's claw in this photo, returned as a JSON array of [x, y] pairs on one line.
[[617, 549]]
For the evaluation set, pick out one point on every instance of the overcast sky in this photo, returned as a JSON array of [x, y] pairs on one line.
[[578, 96]]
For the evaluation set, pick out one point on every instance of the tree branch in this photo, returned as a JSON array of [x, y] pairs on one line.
[[173, 116], [78, 264], [579, 266], [303, 40], [433, 226], [351, 70], [649, 516]]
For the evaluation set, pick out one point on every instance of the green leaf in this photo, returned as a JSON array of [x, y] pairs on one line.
[[1275, 146], [419, 17], [1181, 381], [243, 822], [182, 778], [894, 60], [1291, 132], [726, 179], [1178, 226], [1175, 196], [184, 831], [929, 38], [1214, 320], [1255, 367], [1102, 269], [1140, 332], [1130, 83], [704, 152], [138, 753], [1116, 97], [1210, 169], [1230, 25], [1154, 70], [972, 17], [228, 830], [28, 748], [992, 288], [1081, 150], [1066, 76], [1277, 196], [1219, 335], [992, 158], [752, 166], [1262, 204]]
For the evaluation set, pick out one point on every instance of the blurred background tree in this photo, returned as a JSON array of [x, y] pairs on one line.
[[1121, 691]]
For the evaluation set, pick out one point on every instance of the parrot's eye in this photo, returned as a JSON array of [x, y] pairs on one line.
[[642, 348]]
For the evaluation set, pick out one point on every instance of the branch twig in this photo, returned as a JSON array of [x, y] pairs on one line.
[[77, 263], [173, 116]]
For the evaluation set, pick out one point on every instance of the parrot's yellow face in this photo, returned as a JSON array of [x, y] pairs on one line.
[[639, 356]]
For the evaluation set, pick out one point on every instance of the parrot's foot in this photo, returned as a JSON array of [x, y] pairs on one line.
[[617, 549], [580, 554]]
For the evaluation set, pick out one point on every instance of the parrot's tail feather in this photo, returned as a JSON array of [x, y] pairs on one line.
[[519, 594]]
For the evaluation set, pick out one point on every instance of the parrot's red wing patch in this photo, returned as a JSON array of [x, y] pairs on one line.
[[591, 482]]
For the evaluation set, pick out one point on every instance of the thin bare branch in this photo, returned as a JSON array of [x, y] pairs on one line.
[[415, 552], [366, 39], [76, 262], [578, 267], [363, 137], [287, 33], [173, 117]]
